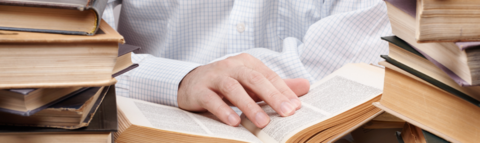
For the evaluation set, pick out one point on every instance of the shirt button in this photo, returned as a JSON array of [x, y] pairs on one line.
[[240, 27]]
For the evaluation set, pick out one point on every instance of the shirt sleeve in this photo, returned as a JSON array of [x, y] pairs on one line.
[[155, 79]]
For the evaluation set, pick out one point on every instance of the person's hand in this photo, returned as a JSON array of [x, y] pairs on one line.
[[240, 80]]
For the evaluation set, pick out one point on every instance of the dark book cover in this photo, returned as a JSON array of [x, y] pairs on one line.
[[96, 5], [402, 44], [399, 42], [69, 106], [126, 48], [398, 135], [122, 50], [104, 119], [25, 92], [431, 138]]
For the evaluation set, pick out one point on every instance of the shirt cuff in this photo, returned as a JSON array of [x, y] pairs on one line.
[[155, 80]]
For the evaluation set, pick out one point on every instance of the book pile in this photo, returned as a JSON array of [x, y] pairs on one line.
[[58, 63], [432, 70]]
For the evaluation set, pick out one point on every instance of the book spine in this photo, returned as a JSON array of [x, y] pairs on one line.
[[98, 6]]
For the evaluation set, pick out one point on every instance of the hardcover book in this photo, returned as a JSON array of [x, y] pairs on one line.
[[101, 128], [461, 62], [26, 102], [79, 17], [124, 61], [405, 59], [41, 60], [430, 108], [75, 112]]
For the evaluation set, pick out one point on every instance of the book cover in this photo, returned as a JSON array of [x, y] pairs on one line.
[[403, 25], [97, 6], [125, 50], [70, 114], [103, 120], [402, 44], [429, 108], [71, 59], [105, 34], [31, 112]]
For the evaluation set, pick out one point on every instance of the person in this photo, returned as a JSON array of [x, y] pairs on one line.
[[206, 55]]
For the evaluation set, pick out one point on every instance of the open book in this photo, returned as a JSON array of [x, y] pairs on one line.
[[336, 105]]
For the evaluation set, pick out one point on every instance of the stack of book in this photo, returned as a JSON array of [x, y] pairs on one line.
[[432, 69], [58, 62]]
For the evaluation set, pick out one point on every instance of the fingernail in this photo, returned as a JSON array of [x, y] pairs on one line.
[[286, 108], [261, 119], [297, 102], [232, 119]]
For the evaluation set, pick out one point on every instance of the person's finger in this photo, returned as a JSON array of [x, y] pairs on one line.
[[262, 87], [270, 75], [214, 104], [299, 86], [235, 93]]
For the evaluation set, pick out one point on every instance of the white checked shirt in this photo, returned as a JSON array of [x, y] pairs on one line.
[[295, 38]]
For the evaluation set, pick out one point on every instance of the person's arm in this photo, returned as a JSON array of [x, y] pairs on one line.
[[327, 46]]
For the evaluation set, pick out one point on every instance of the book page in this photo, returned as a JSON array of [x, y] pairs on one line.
[[346, 88], [220, 129], [177, 120]]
